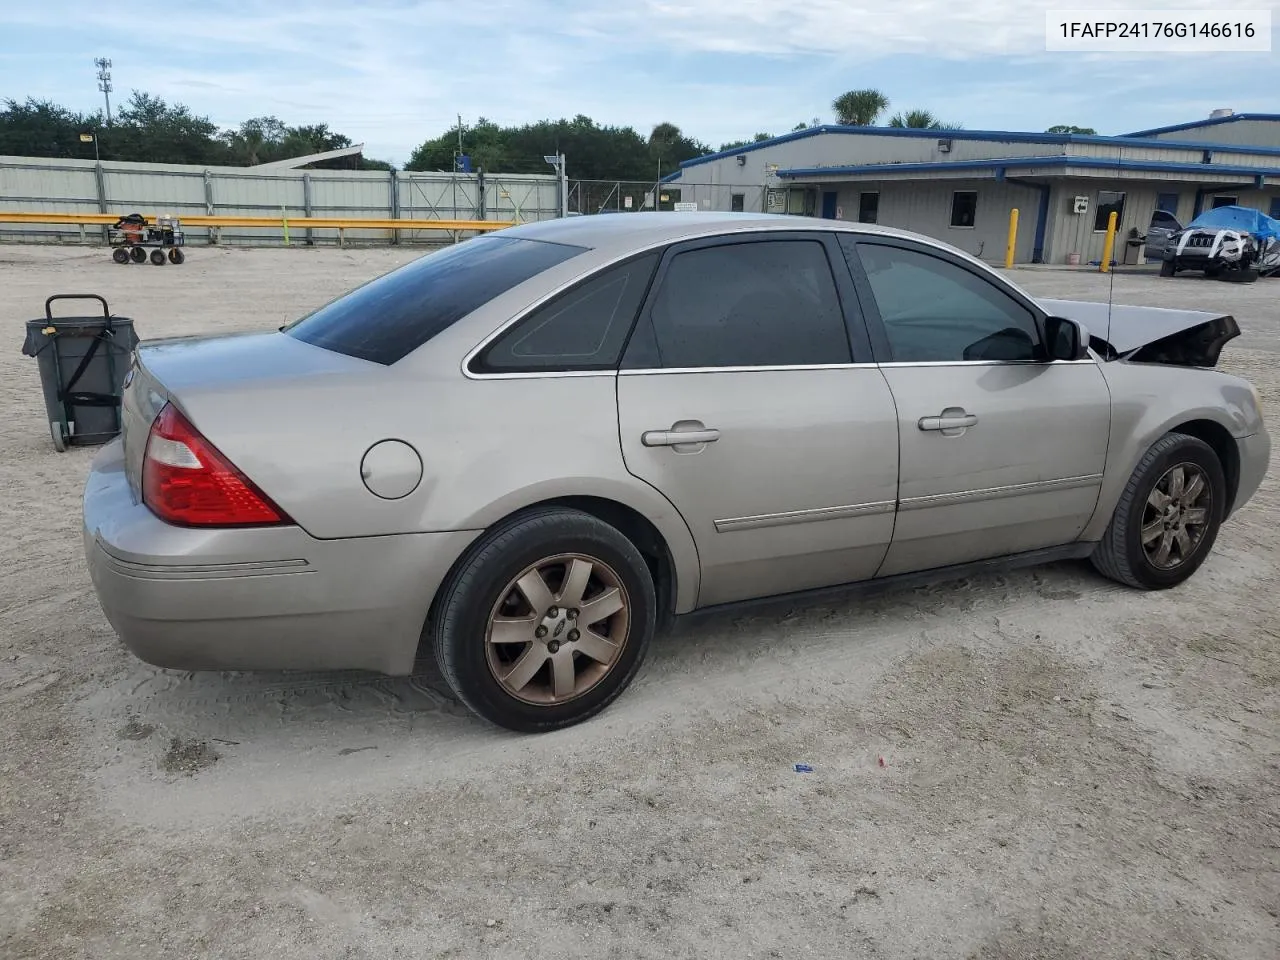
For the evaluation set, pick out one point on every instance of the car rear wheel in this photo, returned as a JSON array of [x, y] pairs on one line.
[[1168, 516], [545, 621]]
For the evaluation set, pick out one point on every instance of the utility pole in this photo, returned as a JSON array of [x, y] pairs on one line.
[[459, 134], [104, 82]]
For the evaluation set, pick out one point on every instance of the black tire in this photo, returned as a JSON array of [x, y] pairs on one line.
[[1240, 276], [138, 255], [460, 619], [1166, 268], [157, 257], [120, 255], [1120, 555], [176, 256]]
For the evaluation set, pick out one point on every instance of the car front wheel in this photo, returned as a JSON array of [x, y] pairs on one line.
[[546, 621], [1168, 515]]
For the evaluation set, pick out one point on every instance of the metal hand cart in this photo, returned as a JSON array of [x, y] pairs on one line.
[[132, 235], [83, 362]]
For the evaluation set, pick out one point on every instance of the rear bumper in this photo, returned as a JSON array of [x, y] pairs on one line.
[[1255, 459], [256, 599]]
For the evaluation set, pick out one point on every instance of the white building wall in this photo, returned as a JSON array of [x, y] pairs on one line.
[[1256, 133], [1068, 232], [925, 207]]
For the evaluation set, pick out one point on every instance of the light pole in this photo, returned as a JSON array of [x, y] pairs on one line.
[[104, 82], [557, 161]]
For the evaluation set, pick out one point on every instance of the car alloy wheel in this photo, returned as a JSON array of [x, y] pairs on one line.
[[1176, 516], [558, 628]]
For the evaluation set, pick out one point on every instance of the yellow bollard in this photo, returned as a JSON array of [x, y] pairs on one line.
[[1108, 247], [1013, 238]]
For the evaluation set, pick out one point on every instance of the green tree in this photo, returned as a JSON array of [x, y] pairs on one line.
[[41, 128], [1068, 128], [148, 129], [859, 108]]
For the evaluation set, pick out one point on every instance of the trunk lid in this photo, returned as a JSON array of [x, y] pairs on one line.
[[190, 370]]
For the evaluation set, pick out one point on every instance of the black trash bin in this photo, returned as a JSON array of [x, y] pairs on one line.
[[83, 361]]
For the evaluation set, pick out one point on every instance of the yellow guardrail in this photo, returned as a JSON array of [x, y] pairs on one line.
[[319, 223]]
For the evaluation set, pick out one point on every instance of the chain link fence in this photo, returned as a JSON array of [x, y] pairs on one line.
[[629, 196]]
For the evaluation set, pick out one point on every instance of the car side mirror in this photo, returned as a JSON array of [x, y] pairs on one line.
[[1066, 339]]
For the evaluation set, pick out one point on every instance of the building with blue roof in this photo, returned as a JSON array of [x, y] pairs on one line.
[[960, 185]]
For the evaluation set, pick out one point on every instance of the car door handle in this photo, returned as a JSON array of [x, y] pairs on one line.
[[671, 438], [948, 420]]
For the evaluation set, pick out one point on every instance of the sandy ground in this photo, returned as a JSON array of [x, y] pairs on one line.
[[1070, 769]]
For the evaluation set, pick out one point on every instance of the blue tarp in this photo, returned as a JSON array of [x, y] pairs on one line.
[[1242, 219]]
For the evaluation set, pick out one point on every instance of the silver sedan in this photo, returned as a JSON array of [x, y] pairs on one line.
[[532, 450]]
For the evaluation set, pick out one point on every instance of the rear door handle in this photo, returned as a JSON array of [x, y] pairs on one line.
[[951, 419], [672, 438]]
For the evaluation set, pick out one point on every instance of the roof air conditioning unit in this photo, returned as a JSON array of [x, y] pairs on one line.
[[1220, 113]]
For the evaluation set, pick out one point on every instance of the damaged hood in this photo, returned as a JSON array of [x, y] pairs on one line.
[[1183, 338]]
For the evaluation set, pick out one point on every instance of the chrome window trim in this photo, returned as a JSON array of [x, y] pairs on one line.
[[770, 368], [652, 371], [840, 227]]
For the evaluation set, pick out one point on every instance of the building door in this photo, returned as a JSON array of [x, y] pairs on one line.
[[1168, 202], [829, 205]]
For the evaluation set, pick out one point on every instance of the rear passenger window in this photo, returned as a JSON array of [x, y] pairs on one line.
[[765, 303], [583, 329]]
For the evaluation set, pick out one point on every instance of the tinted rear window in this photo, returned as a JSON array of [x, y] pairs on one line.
[[392, 316]]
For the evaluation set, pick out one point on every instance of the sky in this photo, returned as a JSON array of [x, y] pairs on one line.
[[392, 73]]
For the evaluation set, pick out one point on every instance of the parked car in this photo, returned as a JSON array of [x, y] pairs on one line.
[[1163, 226], [532, 450], [1234, 243]]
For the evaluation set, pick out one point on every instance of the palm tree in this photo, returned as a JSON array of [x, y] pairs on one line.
[[921, 120], [859, 108], [662, 139]]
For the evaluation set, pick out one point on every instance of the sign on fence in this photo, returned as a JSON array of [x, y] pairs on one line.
[[685, 207]]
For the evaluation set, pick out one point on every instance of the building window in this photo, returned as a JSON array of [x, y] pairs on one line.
[[1168, 202], [1225, 202], [1108, 201], [1275, 207], [964, 208], [737, 201], [869, 207]]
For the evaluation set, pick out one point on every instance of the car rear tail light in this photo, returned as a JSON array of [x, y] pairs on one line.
[[186, 481]]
